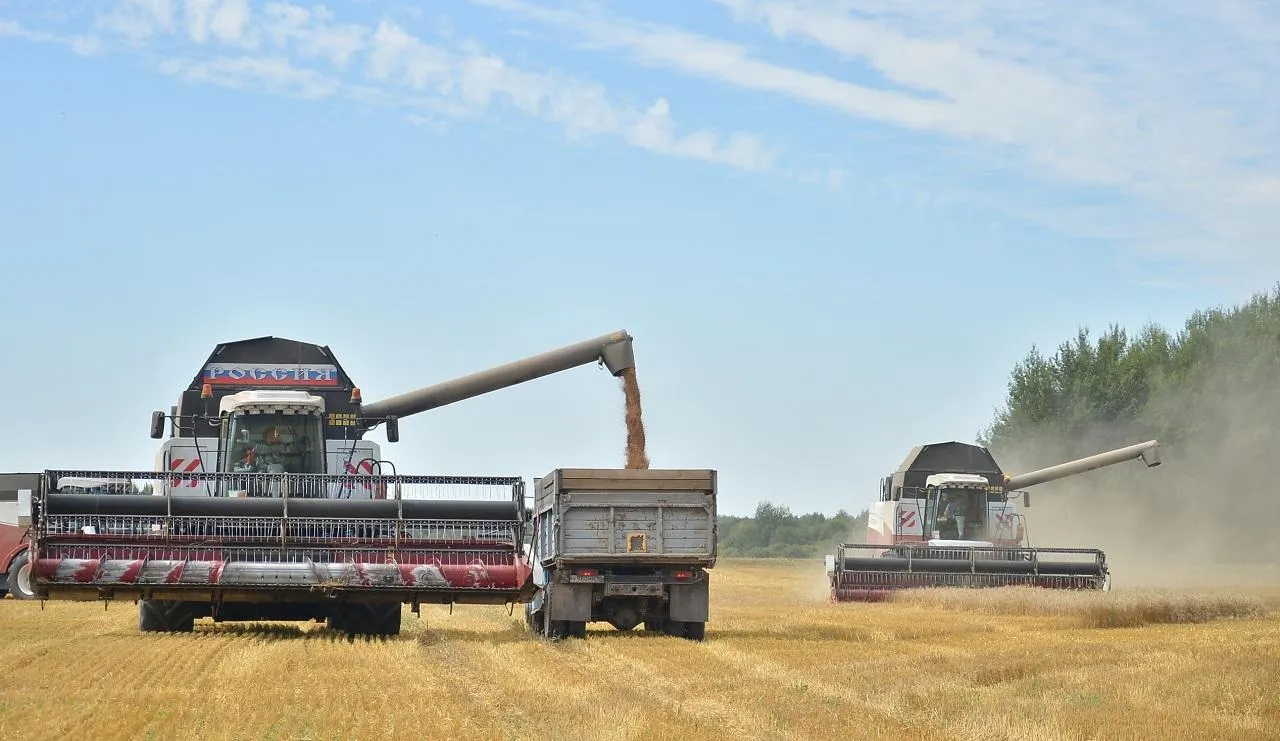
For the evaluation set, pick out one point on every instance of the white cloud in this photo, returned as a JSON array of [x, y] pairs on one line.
[[138, 20], [269, 74], [1168, 105], [230, 19], [288, 48], [1154, 124], [313, 33]]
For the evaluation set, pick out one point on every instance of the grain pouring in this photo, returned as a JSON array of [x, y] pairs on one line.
[[636, 455]]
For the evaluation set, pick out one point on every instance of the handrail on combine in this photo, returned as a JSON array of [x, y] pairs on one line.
[[476, 511]]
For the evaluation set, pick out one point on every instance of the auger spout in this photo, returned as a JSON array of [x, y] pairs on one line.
[[613, 350], [1149, 452]]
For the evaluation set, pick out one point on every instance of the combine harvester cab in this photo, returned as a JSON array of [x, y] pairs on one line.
[[267, 504], [950, 517]]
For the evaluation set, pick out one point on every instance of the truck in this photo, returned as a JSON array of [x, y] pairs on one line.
[[626, 547], [951, 517], [266, 502], [15, 525], [16, 491]]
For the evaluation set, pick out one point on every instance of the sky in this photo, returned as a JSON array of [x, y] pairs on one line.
[[832, 227]]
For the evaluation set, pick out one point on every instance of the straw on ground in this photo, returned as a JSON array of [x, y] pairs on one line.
[[779, 663]]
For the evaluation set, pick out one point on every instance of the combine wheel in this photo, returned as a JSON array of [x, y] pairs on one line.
[[19, 582], [165, 616], [655, 625]]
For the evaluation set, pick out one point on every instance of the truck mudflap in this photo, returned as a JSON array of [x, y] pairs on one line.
[[436, 537], [866, 572]]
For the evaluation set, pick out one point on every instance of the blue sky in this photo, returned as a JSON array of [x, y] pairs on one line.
[[831, 232]]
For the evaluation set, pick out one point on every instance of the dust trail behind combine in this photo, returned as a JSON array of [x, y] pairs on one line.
[[1203, 519], [636, 455]]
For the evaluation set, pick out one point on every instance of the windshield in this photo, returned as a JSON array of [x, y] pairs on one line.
[[956, 513], [276, 443]]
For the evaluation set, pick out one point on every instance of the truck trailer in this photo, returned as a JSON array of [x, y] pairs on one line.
[[626, 547], [266, 503]]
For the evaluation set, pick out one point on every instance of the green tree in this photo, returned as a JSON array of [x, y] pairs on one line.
[[1209, 393]]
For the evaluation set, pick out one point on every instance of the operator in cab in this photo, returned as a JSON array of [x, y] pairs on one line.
[[263, 456], [954, 509]]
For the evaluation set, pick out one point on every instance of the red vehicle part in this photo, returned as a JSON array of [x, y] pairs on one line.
[[264, 549], [15, 519], [15, 573]]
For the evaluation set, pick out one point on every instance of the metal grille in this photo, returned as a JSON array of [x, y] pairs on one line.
[[135, 528], [474, 545], [296, 486], [864, 571]]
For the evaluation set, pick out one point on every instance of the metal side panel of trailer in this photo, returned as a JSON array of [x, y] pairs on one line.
[[623, 516]]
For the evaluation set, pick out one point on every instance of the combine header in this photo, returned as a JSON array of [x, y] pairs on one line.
[[266, 503], [949, 517]]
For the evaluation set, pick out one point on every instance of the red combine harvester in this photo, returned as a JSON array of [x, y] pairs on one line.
[[267, 504], [949, 517]]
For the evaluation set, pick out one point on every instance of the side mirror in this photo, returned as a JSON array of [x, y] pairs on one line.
[[157, 425], [393, 430]]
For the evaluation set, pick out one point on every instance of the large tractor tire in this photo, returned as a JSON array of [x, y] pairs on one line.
[[19, 581], [165, 616]]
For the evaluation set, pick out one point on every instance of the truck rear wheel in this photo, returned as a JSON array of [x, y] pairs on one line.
[[165, 616], [19, 581], [682, 629]]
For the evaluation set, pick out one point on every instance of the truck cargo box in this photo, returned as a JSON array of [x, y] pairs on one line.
[[626, 516]]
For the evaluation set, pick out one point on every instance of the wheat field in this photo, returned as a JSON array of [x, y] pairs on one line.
[[779, 662]]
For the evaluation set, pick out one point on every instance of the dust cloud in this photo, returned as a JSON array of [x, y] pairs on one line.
[[1205, 518], [636, 455]]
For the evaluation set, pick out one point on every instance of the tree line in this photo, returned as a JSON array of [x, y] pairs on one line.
[[1208, 391], [773, 531]]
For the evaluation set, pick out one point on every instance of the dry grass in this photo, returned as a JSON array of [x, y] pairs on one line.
[[1125, 609], [779, 663]]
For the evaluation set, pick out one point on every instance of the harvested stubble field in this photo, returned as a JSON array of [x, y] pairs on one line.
[[779, 663]]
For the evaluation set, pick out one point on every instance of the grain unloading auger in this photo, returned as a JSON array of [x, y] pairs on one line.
[[949, 517], [266, 503]]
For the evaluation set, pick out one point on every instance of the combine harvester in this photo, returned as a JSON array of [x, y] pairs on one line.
[[266, 503], [949, 517]]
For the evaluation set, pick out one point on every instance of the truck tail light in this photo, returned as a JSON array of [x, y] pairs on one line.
[[682, 575], [588, 572]]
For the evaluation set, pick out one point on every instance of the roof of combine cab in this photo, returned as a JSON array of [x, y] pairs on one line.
[[272, 362], [948, 457]]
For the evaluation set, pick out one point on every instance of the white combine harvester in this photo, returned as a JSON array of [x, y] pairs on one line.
[[950, 517]]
